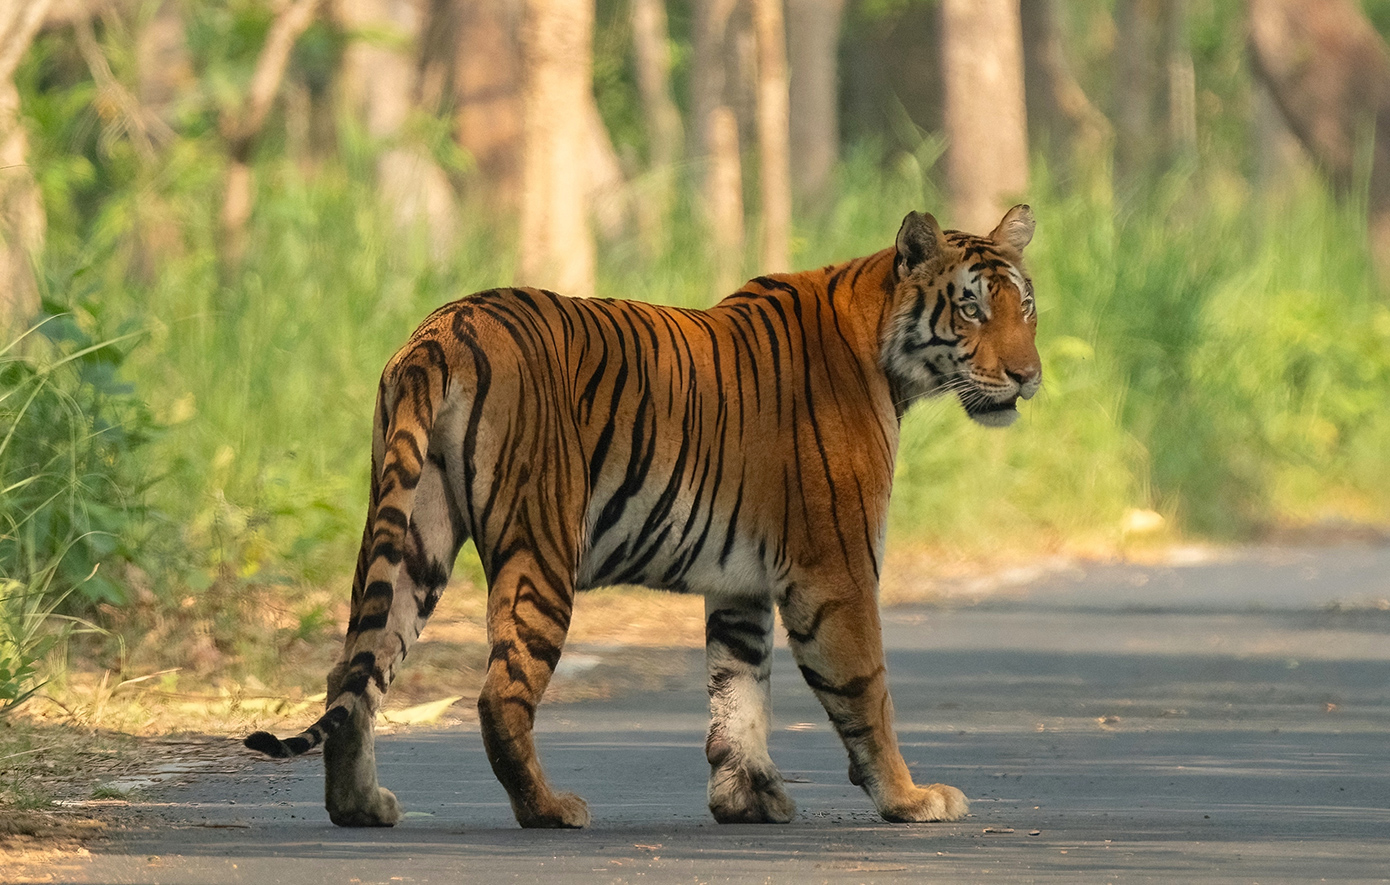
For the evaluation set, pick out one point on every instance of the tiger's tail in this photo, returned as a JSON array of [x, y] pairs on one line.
[[311, 737], [411, 394]]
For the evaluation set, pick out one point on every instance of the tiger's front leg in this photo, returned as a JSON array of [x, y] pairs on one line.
[[744, 785], [838, 645]]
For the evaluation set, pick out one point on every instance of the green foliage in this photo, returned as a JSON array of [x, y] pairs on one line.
[[615, 78], [71, 471], [30, 626], [1215, 354], [72, 480], [1378, 11], [1208, 354]]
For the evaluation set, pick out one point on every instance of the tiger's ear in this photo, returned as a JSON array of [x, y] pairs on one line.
[[1016, 229], [919, 241]]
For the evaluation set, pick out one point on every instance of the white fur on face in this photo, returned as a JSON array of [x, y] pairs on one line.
[[925, 356]]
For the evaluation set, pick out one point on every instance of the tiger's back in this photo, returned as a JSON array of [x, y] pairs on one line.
[[666, 435]]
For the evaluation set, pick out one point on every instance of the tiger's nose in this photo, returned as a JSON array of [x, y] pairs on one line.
[[1028, 380]]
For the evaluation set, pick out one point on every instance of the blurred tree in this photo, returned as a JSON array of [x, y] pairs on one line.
[[22, 218], [774, 171], [122, 112], [652, 52], [608, 195], [707, 68], [557, 243], [1155, 94], [471, 67], [164, 67], [1134, 107], [381, 82], [714, 139], [1072, 130], [1329, 72], [724, 201], [141, 117], [723, 68], [472, 64], [1181, 95], [1277, 150], [241, 125], [813, 38], [891, 89], [986, 126]]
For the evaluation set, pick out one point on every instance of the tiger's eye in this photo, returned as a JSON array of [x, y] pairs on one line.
[[970, 310]]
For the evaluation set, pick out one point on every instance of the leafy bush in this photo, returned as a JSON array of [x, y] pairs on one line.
[[71, 488]]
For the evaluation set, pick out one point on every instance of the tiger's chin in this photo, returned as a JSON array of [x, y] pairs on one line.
[[993, 414]]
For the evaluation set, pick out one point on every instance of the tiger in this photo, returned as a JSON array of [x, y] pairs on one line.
[[744, 452]]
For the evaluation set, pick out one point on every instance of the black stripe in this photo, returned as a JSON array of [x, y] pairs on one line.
[[850, 689]]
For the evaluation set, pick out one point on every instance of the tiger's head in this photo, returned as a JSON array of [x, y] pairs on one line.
[[964, 318]]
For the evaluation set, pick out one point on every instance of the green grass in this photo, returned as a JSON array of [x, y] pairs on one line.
[[1216, 355], [71, 483]]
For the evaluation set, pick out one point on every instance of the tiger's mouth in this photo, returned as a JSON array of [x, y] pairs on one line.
[[991, 413]]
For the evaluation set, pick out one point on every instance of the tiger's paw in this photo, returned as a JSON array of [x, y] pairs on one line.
[[384, 811], [558, 811], [937, 802], [749, 796]]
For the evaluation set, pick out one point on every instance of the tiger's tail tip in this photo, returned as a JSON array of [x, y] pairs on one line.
[[272, 746], [269, 744]]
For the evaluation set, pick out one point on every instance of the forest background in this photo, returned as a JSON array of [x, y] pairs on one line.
[[218, 218]]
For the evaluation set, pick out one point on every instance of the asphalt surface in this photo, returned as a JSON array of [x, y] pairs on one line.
[[1217, 722]]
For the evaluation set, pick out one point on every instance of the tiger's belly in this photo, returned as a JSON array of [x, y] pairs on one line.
[[683, 548]]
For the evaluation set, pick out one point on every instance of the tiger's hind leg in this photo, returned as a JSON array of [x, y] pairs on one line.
[[386, 619], [529, 608], [744, 785]]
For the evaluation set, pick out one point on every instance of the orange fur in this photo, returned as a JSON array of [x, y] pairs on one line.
[[744, 452]]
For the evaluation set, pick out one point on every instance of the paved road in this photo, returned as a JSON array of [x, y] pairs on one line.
[[1222, 722]]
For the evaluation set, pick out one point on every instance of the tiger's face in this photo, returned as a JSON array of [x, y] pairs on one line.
[[964, 319]]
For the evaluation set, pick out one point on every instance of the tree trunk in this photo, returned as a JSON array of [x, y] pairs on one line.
[[813, 35], [1181, 83], [557, 244], [488, 91], [241, 127], [1135, 104], [124, 114], [707, 70], [723, 208], [651, 49], [381, 84], [1076, 135], [774, 171], [22, 220], [164, 65], [987, 152], [714, 140], [1278, 154], [1329, 72]]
